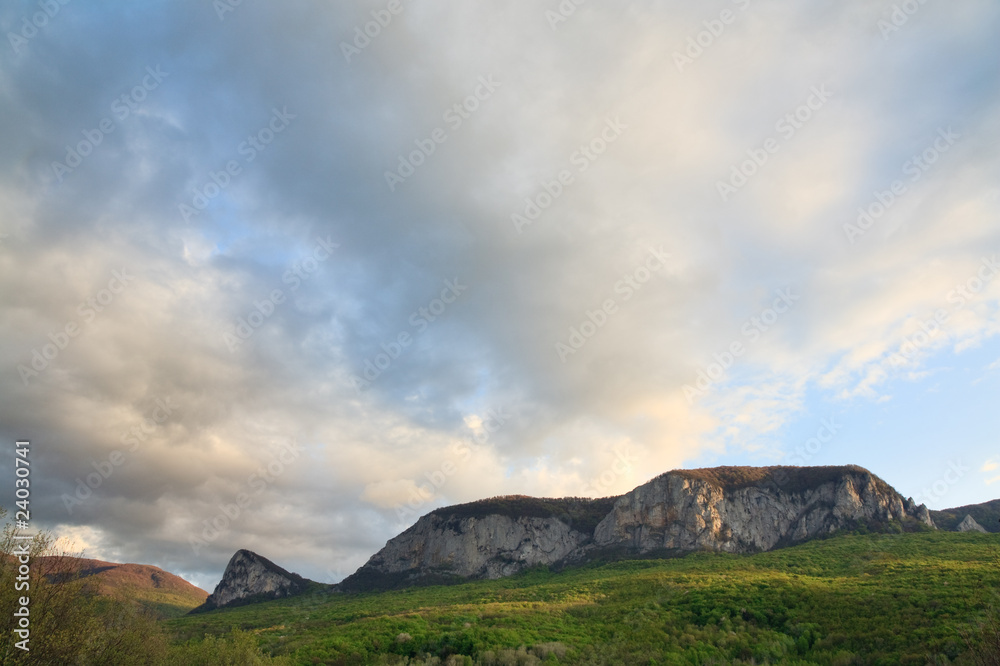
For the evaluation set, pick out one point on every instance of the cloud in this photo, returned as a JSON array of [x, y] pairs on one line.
[[537, 136]]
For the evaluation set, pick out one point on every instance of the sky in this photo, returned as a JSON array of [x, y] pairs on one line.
[[287, 276]]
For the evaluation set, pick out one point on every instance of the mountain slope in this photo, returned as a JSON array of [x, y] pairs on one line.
[[161, 591], [986, 514]]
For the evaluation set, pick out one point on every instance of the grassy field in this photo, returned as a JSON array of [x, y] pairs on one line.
[[850, 599]]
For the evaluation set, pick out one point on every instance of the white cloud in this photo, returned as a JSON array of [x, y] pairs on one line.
[[495, 345]]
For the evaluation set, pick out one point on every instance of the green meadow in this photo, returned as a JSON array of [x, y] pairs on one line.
[[908, 598]]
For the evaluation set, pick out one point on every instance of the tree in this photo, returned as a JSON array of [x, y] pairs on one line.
[[67, 625]]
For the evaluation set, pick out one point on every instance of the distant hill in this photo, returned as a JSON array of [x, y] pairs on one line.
[[986, 514], [162, 592]]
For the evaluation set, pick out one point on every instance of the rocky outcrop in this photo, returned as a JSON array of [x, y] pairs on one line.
[[969, 524], [731, 509], [987, 514], [488, 539], [249, 578], [488, 547], [740, 509]]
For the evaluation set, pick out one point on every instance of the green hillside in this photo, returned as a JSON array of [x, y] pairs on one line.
[[850, 599], [986, 514]]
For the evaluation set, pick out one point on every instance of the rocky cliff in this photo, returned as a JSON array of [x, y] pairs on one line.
[[751, 509], [486, 539], [969, 524], [731, 509], [249, 578]]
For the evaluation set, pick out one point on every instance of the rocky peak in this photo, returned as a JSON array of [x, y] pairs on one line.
[[969, 524], [732, 509], [250, 577]]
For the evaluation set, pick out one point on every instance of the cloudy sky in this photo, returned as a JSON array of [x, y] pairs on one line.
[[286, 276]]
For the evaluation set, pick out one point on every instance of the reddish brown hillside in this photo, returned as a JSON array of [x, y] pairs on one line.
[[161, 590]]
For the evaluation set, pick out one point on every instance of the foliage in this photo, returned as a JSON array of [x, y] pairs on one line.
[[238, 648], [71, 625], [904, 598]]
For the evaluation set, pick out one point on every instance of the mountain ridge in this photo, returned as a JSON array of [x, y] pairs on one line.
[[986, 514], [727, 508]]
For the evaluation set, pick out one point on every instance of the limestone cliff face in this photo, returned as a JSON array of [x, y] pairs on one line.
[[486, 539], [743, 510], [491, 546], [731, 509], [250, 577], [969, 524]]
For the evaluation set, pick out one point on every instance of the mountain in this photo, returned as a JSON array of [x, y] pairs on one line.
[[162, 592], [249, 578], [730, 509], [986, 514], [486, 539], [752, 509], [969, 524]]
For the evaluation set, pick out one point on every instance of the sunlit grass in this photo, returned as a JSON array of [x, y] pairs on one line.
[[899, 598]]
